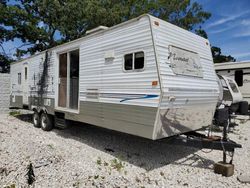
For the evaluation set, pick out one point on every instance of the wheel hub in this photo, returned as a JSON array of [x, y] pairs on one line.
[[44, 121], [35, 119]]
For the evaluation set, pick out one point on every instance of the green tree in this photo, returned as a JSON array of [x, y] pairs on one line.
[[25, 20], [220, 58], [42, 24], [5, 63], [4, 59]]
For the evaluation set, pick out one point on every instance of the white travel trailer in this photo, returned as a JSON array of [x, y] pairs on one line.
[[240, 72], [144, 77], [230, 93]]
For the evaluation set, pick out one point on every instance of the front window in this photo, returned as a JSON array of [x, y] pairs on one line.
[[233, 86]]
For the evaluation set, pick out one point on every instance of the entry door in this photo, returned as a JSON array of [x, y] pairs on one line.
[[69, 80], [25, 86], [62, 98]]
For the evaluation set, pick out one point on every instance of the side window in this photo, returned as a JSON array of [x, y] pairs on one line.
[[128, 62], [139, 60], [19, 78], [134, 61], [238, 77], [25, 73]]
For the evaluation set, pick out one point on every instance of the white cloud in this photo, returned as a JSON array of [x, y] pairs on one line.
[[245, 22], [227, 19], [222, 30], [243, 33]]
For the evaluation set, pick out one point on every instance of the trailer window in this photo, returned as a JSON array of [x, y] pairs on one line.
[[128, 62], [134, 61], [139, 60], [233, 87], [238, 77], [26, 73], [19, 78]]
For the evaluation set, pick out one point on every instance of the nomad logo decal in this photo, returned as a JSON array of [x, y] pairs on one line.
[[143, 97], [185, 62]]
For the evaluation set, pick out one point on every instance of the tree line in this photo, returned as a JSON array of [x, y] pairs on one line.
[[42, 24]]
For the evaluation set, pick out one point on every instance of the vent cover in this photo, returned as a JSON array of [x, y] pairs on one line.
[[97, 29]]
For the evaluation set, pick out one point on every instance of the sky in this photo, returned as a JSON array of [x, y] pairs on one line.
[[228, 27]]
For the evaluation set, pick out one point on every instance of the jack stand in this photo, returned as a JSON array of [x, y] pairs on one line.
[[222, 167], [232, 124]]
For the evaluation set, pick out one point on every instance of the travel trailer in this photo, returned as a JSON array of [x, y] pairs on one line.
[[240, 72], [229, 91], [231, 97], [144, 77]]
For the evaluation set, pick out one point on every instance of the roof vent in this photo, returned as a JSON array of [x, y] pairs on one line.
[[97, 29]]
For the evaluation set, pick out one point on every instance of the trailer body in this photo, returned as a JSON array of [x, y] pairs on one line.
[[144, 77]]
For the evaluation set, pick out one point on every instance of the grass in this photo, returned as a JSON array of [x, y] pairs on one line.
[[14, 113], [50, 146], [105, 163], [76, 184], [10, 186], [117, 164], [99, 161]]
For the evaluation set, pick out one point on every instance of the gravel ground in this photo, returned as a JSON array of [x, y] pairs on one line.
[[87, 156]]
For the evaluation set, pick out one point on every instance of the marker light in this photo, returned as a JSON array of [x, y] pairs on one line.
[[154, 83]]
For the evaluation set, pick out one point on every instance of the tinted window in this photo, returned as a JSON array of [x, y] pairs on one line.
[[26, 73], [234, 87], [238, 77], [128, 62], [139, 60], [134, 61], [19, 78]]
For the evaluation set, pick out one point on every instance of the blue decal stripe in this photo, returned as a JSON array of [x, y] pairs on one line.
[[144, 97]]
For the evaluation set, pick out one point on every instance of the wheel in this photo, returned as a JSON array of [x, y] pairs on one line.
[[46, 122], [36, 119], [243, 109]]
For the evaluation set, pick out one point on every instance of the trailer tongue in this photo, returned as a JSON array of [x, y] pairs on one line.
[[201, 141]]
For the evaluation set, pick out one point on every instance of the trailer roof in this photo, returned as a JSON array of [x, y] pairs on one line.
[[232, 65]]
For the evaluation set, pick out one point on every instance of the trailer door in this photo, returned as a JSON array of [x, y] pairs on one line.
[[25, 85], [68, 87], [62, 95]]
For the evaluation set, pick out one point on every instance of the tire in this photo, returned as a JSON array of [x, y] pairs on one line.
[[46, 122], [243, 110], [36, 119]]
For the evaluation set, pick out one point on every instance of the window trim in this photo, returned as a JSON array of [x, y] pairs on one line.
[[133, 62]]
